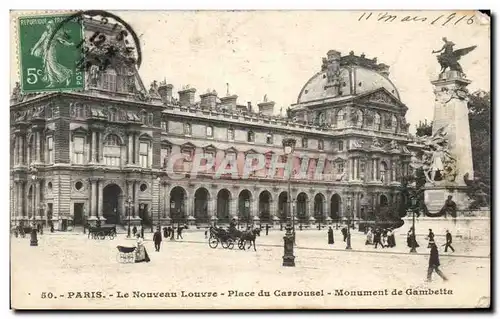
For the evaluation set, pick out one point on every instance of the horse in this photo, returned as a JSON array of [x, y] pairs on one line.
[[249, 236]]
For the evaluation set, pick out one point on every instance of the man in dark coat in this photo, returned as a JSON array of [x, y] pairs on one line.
[[165, 232], [430, 237], [157, 239], [267, 229], [344, 233], [448, 242], [134, 230], [377, 237], [179, 232], [434, 263], [330, 236]]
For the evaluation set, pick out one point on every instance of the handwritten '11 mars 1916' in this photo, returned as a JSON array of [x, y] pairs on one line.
[[438, 20]]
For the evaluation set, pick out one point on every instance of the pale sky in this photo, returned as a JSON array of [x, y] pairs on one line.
[[276, 52]]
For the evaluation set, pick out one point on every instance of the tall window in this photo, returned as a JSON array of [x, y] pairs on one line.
[[394, 122], [78, 144], [269, 138], [112, 115], [143, 154], [164, 126], [109, 80], [150, 119], [230, 134], [377, 121], [305, 142], [321, 145], [340, 146], [210, 131], [231, 159], [341, 118], [144, 117], [50, 150], [383, 172], [340, 167], [250, 136], [187, 129], [112, 150]]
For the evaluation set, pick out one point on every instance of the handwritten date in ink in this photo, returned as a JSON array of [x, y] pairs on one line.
[[441, 20]]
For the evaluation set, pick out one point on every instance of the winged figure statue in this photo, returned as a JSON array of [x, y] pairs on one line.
[[448, 58]]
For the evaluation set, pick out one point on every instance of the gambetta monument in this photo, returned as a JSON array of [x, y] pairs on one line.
[[447, 156]]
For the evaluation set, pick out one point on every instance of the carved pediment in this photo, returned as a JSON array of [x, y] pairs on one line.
[[380, 96], [188, 146], [251, 151], [231, 150], [210, 147], [81, 131]]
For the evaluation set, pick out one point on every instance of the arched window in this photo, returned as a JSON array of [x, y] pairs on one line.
[[109, 80], [269, 138], [111, 151], [209, 131], [359, 121], [341, 118], [187, 129], [377, 120], [250, 136], [394, 120]]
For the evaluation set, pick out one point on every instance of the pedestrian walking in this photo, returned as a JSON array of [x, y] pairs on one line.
[[179, 232], [369, 237], [377, 238], [165, 232], [330, 236], [384, 239], [142, 231], [391, 239], [157, 239], [134, 230], [51, 228], [344, 232], [430, 237], [448, 242], [206, 233], [434, 263], [267, 229]]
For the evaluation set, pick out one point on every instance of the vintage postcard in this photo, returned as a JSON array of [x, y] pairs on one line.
[[250, 159]]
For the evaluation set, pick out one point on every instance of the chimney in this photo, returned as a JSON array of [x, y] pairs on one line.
[[165, 92], [229, 102], [249, 107], [266, 108], [208, 100], [186, 96]]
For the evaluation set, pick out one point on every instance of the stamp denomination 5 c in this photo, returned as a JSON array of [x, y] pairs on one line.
[[48, 62]]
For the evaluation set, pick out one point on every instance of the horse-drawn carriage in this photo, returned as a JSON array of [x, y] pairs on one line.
[[102, 232], [227, 238]]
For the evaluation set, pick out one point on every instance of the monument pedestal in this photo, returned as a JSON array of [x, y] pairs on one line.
[[436, 195]]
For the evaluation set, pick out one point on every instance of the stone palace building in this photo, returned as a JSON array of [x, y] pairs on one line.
[[103, 152]]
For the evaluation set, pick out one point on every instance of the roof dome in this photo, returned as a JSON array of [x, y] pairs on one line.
[[349, 75]]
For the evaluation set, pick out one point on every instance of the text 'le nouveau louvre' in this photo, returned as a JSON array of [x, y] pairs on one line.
[[263, 293]]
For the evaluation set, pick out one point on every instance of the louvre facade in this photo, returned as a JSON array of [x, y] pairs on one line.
[[106, 152]]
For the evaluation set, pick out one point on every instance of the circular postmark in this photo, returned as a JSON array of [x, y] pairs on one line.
[[109, 41]]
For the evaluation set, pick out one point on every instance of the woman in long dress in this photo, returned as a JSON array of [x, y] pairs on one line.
[[141, 254], [53, 72]]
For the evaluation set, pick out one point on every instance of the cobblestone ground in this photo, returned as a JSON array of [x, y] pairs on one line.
[[64, 263]]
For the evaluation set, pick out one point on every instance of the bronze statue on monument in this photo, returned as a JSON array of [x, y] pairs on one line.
[[449, 58]]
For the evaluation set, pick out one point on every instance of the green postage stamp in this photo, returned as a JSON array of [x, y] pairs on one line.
[[49, 52]]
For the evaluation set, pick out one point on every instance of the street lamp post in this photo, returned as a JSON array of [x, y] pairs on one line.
[[414, 236], [247, 211], [34, 177], [348, 246], [289, 238], [159, 195], [129, 204]]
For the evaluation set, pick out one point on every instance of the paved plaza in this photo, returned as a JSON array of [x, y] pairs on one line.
[[69, 262]]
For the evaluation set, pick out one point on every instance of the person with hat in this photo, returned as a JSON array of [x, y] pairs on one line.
[[448, 242], [434, 262], [157, 239], [430, 237]]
